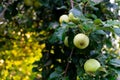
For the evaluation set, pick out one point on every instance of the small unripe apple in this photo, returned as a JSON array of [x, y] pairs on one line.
[[115, 26], [81, 41], [66, 41], [97, 21], [91, 65], [28, 2], [73, 18], [37, 4], [63, 18]]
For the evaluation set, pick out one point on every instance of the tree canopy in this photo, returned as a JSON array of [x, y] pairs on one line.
[[37, 45]]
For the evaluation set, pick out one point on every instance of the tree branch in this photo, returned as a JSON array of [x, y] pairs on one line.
[[68, 63], [71, 1], [3, 12]]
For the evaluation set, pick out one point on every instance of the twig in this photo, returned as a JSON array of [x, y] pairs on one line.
[[81, 29], [71, 1], [3, 12], [68, 63], [84, 7]]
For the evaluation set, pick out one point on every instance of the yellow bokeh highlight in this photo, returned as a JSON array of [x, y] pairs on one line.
[[59, 60], [19, 59], [51, 66]]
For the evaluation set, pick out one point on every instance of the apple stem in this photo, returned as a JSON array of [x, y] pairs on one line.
[[71, 1], [84, 7], [81, 29], [68, 62]]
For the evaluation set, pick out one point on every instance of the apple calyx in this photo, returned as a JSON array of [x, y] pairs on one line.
[[81, 41]]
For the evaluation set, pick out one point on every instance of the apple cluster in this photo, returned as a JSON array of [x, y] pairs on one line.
[[80, 41], [67, 18], [34, 3]]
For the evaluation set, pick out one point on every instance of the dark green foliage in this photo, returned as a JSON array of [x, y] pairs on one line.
[[67, 62]]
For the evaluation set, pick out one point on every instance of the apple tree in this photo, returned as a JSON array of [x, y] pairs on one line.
[[80, 40]]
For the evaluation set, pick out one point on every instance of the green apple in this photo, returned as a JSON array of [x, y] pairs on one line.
[[97, 21], [37, 4], [73, 18], [66, 41], [28, 2], [91, 65], [81, 41], [63, 18], [115, 26]]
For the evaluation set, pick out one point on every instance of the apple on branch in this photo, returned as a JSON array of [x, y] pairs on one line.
[[81, 41], [28, 2], [66, 41], [63, 18], [73, 18], [91, 65]]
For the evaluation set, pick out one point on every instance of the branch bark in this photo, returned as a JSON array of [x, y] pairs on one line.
[[72, 3], [68, 63], [3, 12]]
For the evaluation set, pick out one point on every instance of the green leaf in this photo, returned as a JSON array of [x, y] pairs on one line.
[[117, 31], [7, 15], [91, 16], [58, 35], [56, 74], [112, 23], [64, 78], [115, 62], [106, 29], [100, 32], [118, 71], [108, 43], [53, 25], [1, 8], [34, 69], [88, 25], [76, 12]]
